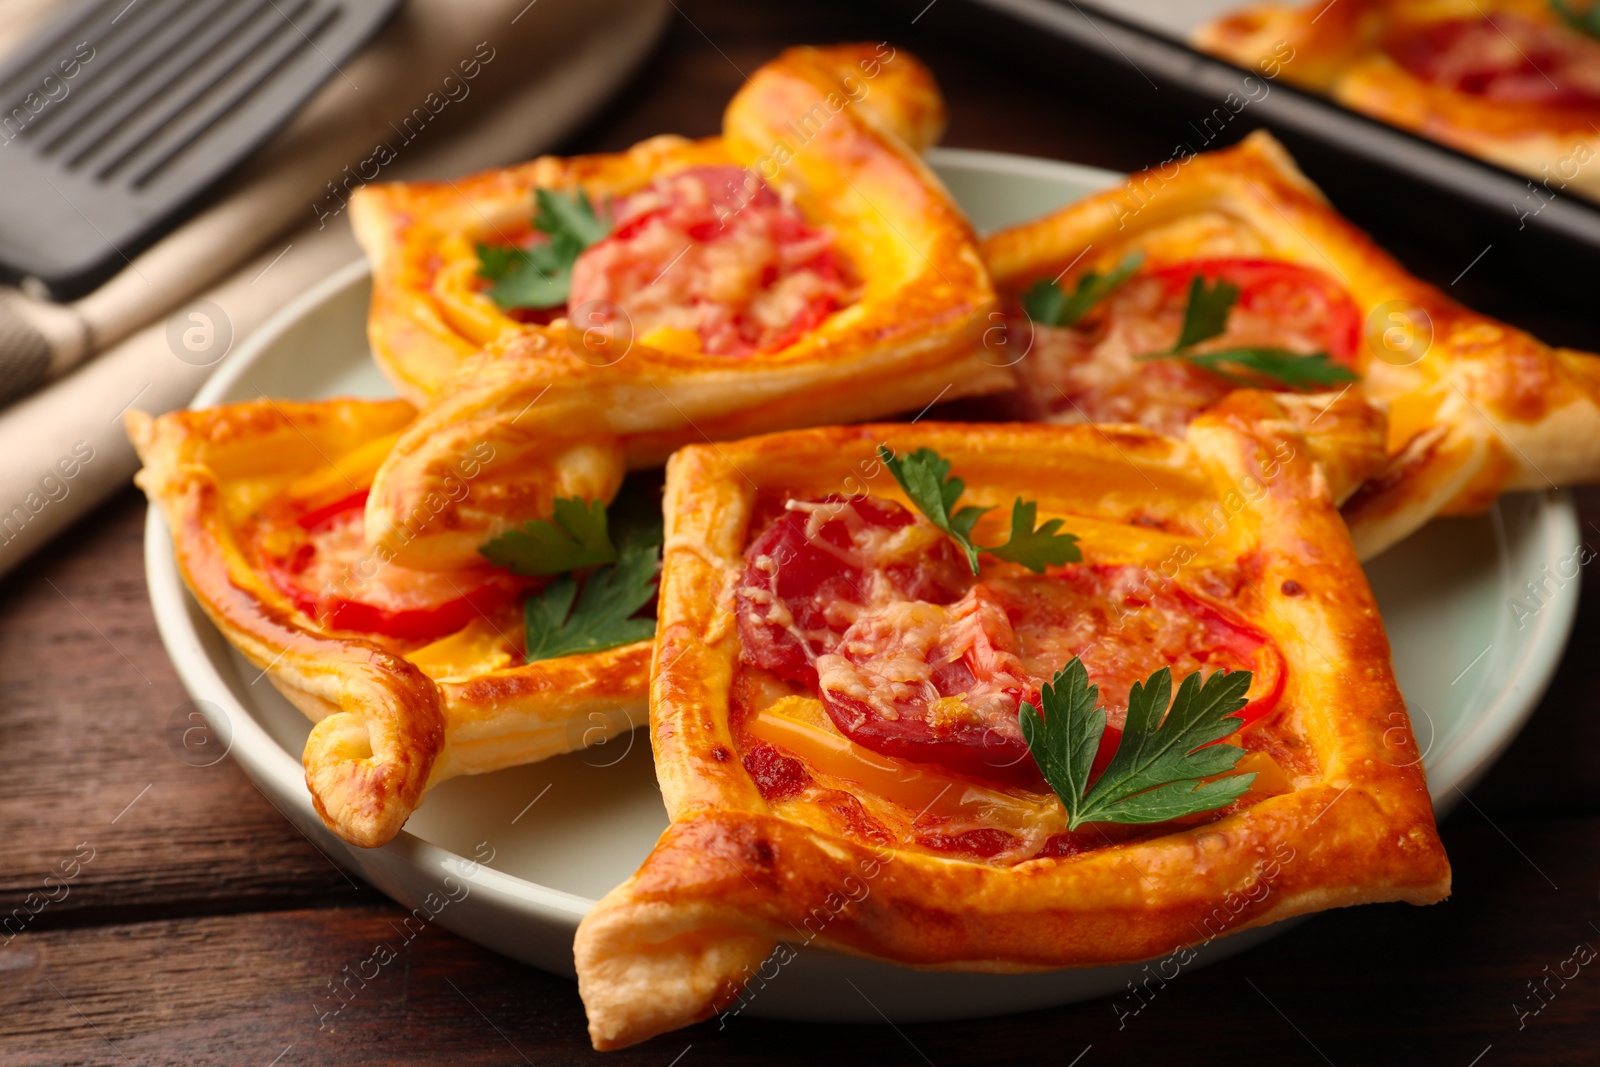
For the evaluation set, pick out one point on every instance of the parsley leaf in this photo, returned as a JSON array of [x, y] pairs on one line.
[[569, 218], [1275, 364], [1038, 548], [1046, 302], [561, 620], [1585, 16], [1206, 316], [925, 477], [1155, 773], [540, 277], [602, 616], [575, 536]]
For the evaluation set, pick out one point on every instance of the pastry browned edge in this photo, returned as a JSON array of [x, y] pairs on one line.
[[734, 876]]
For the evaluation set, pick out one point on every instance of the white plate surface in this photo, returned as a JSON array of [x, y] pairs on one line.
[[554, 836]]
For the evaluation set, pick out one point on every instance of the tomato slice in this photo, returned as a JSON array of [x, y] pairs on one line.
[[1284, 304], [1093, 371], [317, 518], [1235, 642], [1503, 57], [914, 658], [808, 573], [715, 253], [318, 558]]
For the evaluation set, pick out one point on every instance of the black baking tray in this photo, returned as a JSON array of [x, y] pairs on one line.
[[1444, 212]]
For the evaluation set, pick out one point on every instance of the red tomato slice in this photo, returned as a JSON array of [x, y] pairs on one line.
[[715, 252], [803, 577], [1094, 371], [1234, 641], [319, 559], [914, 658], [1506, 58], [1291, 301]]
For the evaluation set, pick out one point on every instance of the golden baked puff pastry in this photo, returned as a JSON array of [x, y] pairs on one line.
[[410, 677], [796, 233], [1515, 82], [565, 405], [837, 719], [1299, 298]]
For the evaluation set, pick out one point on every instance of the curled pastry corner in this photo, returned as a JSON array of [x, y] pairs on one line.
[[1475, 407], [552, 434], [1507, 413], [367, 761], [385, 731], [548, 435], [685, 969], [892, 88]]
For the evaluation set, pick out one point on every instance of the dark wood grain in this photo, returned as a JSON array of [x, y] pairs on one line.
[[206, 929], [1376, 985], [93, 752]]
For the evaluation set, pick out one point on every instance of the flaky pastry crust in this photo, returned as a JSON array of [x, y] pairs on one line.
[[809, 122], [733, 875], [1475, 407], [1338, 50], [385, 729]]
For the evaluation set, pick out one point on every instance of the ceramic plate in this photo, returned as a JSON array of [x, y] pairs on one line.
[[535, 846]]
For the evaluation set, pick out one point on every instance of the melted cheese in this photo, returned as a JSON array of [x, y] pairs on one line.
[[872, 548], [736, 270], [476, 649], [799, 726], [888, 656]]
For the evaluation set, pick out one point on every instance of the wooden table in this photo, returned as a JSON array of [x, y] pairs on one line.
[[196, 925]]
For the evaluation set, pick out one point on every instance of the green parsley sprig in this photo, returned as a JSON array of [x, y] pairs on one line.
[[1156, 772], [541, 276], [1047, 303], [925, 477], [1584, 17], [1206, 316], [622, 543], [1162, 755], [603, 615], [575, 536], [1289, 369]]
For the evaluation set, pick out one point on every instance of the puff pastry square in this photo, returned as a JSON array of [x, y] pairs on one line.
[[836, 132], [240, 486], [1475, 407], [1509, 81], [768, 824]]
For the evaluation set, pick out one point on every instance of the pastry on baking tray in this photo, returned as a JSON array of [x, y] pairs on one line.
[[411, 677], [1150, 301], [806, 238], [908, 703], [1515, 82]]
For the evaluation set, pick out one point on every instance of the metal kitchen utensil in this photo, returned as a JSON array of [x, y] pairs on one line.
[[122, 114]]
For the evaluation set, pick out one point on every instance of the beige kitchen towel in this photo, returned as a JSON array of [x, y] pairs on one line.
[[519, 76]]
